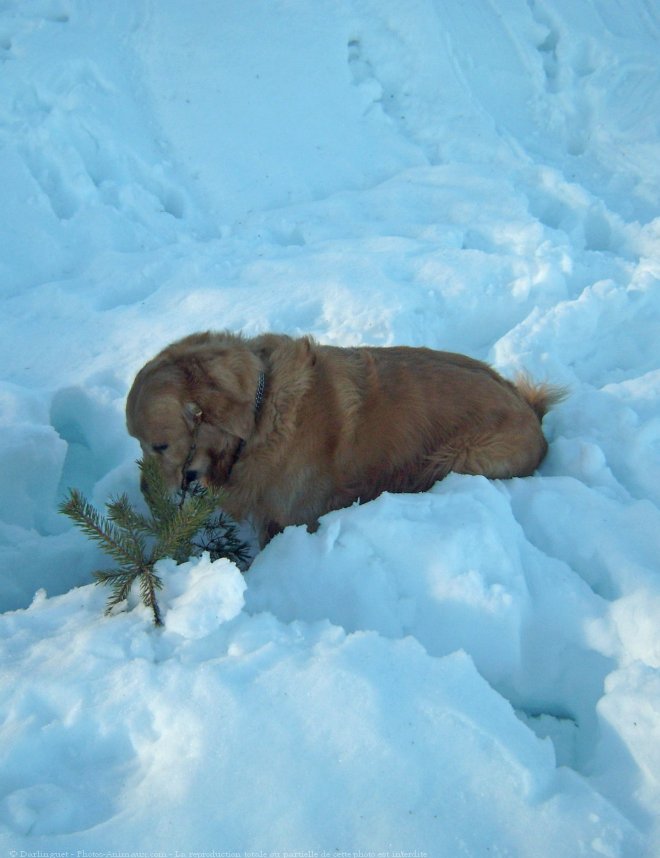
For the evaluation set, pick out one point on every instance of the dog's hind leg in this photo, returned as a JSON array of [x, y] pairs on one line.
[[514, 449]]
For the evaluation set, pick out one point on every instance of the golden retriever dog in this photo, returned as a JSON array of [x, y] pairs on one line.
[[290, 429]]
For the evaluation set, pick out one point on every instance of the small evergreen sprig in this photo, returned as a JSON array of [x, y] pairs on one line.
[[180, 526]]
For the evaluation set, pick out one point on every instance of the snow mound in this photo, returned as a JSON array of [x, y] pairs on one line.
[[387, 747], [202, 595]]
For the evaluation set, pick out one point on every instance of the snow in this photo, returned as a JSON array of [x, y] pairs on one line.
[[473, 671]]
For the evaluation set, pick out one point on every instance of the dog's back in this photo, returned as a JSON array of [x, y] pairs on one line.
[[411, 415]]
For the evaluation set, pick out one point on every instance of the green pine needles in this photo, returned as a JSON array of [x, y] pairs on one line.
[[180, 526]]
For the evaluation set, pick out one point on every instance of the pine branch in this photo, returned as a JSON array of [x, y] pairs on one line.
[[175, 536], [220, 538], [121, 583], [112, 576], [179, 527], [122, 514], [158, 497], [125, 548], [149, 583]]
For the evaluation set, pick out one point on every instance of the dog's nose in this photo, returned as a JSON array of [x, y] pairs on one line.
[[191, 476]]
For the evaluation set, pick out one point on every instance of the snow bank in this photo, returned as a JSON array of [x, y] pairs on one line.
[[454, 569], [163, 741], [470, 671]]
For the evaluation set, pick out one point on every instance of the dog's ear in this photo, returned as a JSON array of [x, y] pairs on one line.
[[234, 417], [224, 383], [192, 414], [232, 372], [237, 418]]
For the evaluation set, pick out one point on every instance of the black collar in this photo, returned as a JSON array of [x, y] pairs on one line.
[[259, 395], [258, 402]]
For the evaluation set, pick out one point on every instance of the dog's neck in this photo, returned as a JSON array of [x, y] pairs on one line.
[[258, 402]]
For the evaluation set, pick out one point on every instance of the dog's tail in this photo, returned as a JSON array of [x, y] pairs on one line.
[[541, 397]]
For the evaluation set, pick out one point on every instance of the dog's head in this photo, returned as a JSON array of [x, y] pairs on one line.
[[193, 407]]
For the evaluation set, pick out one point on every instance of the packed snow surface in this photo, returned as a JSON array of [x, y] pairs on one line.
[[473, 671]]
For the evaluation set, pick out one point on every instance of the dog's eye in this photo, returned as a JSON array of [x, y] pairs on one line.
[[160, 448]]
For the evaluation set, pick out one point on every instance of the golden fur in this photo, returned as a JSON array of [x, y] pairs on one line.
[[336, 425]]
